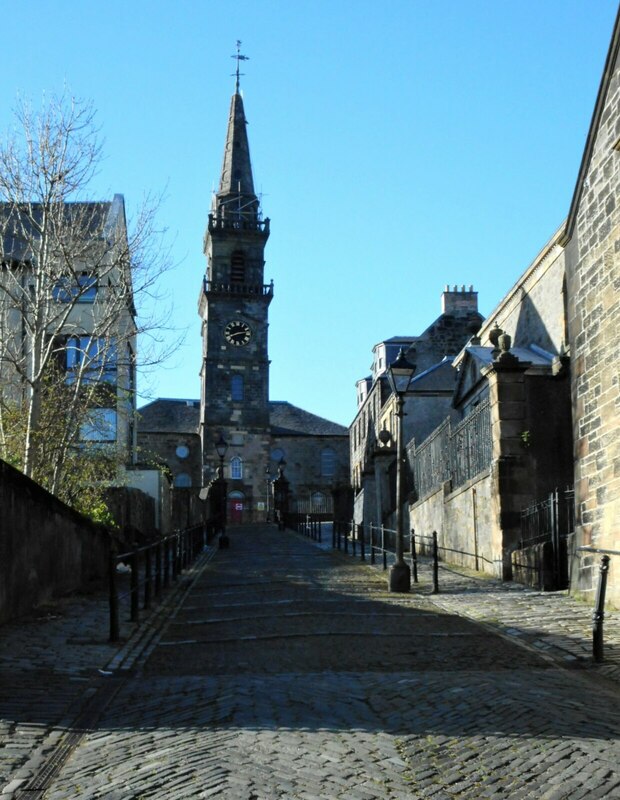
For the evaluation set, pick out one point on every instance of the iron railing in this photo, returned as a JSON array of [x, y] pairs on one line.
[[152, 568], [431, 460], [471, 446], [456, 455], [231, 287], [541, 554]]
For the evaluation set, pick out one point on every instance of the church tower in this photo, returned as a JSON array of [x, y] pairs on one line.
[[233, 305]]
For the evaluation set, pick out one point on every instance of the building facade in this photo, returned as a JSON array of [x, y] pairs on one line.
[[67, 317], [592, 242], [543, 372], [262, 436], [427, 402]]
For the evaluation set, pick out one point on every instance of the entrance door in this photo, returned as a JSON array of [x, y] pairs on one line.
[[235, 508]]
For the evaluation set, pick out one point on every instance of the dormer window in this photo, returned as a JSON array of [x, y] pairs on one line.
[[237, 267]]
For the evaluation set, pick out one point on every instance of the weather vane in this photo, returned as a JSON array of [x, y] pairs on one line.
[[239, 58]]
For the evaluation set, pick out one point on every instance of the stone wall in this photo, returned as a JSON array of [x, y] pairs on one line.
[[466, 524], [593, 271], [303, 463], [46, 549], [178, 451], [534, 310], [187, 509], [132, 509]]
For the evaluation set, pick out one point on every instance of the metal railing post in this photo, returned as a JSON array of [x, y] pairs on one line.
[[353, 538], [166, 562], [135, 586], [383, 546], [360, 529], [185, 550], [372, 544], [113, 589], [175, 556], [346, 539], [158, 570], [435, 564], [598, 615], [414, 557], [147, 577]]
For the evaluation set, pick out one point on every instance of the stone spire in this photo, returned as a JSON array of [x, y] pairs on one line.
[[235, 204], [236, 175]]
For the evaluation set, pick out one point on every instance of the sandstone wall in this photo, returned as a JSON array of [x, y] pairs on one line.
[[593, 269], [46, 549]]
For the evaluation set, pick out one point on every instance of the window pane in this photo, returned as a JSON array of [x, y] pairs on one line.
[[236, 468], [328, 462], [87, 286], [99, 425], [236, 387], [81, 290]]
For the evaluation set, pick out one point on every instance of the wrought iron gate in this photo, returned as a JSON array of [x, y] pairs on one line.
[[545, 528]]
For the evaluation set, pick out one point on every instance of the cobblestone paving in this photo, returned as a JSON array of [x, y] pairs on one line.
[[289, 672]]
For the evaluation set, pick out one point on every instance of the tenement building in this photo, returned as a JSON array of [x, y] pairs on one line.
[[261, 436], [427, 402]]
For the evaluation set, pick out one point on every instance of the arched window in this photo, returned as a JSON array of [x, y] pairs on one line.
[[183, 481], [236, 387], [236, 468], [318, 503], [328, 462], [237, 267]]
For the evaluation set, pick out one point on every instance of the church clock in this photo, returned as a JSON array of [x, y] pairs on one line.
[[237, 333]]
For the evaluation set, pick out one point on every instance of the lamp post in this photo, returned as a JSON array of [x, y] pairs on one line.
[[400, 373], [221, 446], [268, 486], [280, 495]]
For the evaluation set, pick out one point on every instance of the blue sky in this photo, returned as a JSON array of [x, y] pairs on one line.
[[399, 146]]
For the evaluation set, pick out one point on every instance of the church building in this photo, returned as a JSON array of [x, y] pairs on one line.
[[261, 437]]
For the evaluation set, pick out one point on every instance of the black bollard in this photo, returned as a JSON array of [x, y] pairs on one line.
[[414, 557], [435, 564], [598, 615]]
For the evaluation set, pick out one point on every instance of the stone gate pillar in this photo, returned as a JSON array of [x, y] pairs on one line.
[[511, 472]]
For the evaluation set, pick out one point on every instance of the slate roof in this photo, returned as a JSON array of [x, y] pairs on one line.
[[440, 377], [166, 415], [535, 355], [287, 419]]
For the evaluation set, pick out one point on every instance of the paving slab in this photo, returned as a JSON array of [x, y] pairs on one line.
[[283, 670]]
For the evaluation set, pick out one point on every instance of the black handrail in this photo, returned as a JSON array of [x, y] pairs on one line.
[[179, 550]]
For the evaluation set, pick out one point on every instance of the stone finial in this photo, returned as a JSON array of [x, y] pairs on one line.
[[385, 437], [505, 356], [494, 335]]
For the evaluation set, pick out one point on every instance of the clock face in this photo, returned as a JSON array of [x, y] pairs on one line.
[[237, 333]]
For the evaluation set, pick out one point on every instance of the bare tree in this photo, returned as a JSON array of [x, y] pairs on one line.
[[72, 273]]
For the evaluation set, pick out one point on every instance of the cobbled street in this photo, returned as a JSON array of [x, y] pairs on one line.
[[285, 670]]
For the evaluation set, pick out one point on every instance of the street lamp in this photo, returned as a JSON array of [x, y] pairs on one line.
[[399, 374], [268, 482], [221, 446]]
